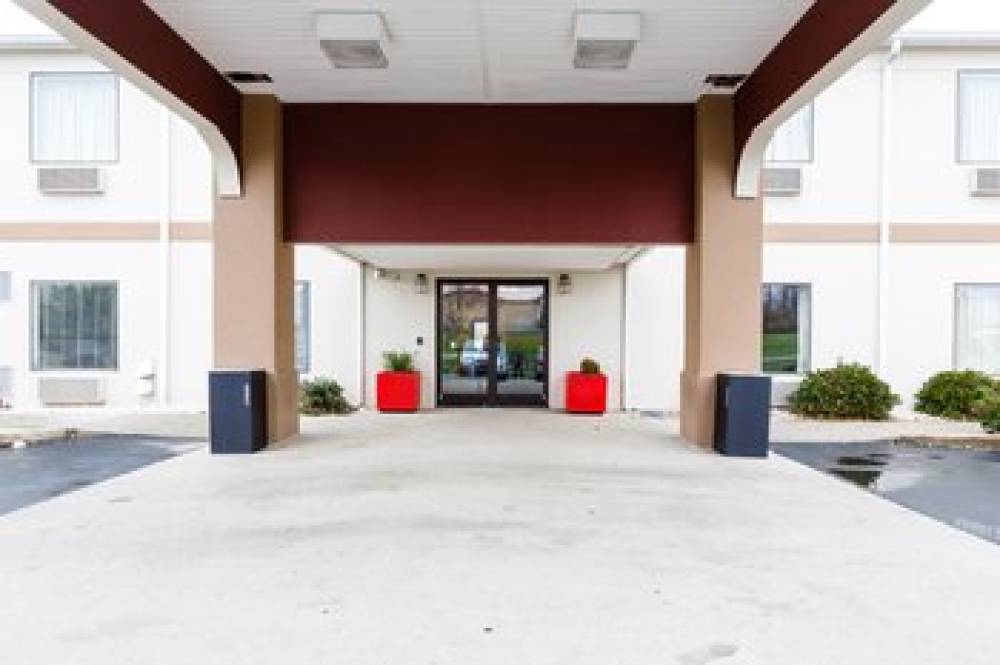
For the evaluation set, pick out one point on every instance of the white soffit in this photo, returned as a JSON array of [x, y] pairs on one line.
[[491, 259], [477, 51]]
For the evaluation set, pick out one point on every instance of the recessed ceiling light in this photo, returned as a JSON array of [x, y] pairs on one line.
[[352, 40], [248, 77], [605, 40]]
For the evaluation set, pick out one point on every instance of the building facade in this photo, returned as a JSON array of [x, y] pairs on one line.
[[103, 280], [500, 210]]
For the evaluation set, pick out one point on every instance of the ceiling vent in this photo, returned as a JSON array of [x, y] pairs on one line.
[[248, 77], [725, 81], [605, 40], [352, 40]]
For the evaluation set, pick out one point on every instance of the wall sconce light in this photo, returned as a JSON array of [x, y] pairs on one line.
[[422, 283], [565, 284]]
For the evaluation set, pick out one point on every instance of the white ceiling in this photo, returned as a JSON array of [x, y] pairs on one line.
[[485, 50], [491, 259]]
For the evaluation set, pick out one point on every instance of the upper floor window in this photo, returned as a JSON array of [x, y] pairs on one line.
[[74, 117], [979, 116], [303, 316], [787, 325], [793, 141], [977, 327], [74, 325]]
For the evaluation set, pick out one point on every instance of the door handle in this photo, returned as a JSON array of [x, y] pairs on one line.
[[246, 395]]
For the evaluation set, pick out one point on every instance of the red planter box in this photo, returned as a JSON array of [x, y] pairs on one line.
[[586, 393], [397, 391]]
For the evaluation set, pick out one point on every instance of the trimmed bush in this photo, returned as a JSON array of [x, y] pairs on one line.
[[954, 395], [323, 396], [590, 366], [843, 392], [988, 414], [398, 361]]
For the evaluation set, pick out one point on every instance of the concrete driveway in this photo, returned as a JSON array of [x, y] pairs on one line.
[[494, 537]]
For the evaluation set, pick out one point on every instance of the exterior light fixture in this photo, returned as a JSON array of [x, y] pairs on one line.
[[605, 40], [352, 40], [422, 284], [565, 284]]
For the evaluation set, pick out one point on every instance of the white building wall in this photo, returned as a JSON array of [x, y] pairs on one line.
[[654, 345], [922, 307], [335, 295], [157, 151], [926, 185]]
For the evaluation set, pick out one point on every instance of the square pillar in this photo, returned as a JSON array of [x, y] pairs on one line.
[[254, 281], [724, 272]]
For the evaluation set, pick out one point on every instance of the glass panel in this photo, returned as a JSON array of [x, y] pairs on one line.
[[76, 325], [786, 328], [521, 340], [464, 340], [793, 141], [979, 124], [302, 326], [74, 117], [977, 335]]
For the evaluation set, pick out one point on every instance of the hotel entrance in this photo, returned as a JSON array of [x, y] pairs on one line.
[[492, 342]]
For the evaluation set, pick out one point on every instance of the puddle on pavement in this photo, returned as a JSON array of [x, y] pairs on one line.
[[958, 486]]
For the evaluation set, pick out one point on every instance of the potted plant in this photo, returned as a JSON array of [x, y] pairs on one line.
[[587, 389], [397, 388]]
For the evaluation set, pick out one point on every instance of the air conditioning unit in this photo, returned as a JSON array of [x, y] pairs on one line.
[[782, 181], [70, 180], [986, 182], [70, 391]]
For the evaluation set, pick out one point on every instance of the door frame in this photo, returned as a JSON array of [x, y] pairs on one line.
[[492, 398]]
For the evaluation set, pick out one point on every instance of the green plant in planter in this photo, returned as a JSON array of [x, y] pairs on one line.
[[849, 391], [590, 366], [323, 396], [398, 361], [955, 395]]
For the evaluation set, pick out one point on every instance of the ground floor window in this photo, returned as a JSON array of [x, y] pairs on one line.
[[74, 325], [977, 327], [787, 322], [303, 318]]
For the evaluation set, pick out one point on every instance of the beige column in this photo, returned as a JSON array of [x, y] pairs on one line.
[[255, 270], [723, 281]]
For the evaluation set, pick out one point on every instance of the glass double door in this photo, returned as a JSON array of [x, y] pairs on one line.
[[492, 342]]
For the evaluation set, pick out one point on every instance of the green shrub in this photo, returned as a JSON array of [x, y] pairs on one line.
[[843, 392], [398, 361], [954, 394], [323, 396], [590, 366], [988, 414]]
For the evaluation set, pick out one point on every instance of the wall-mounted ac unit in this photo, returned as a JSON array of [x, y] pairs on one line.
[[70, 391], [70, 180], [986, 182], [781, 181]]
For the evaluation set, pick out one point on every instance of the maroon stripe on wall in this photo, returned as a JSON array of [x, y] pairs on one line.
[[823, 32], [136, 33], [364, 173]]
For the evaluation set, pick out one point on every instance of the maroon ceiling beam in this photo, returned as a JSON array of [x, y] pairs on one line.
[[825, 30], [137, 34]]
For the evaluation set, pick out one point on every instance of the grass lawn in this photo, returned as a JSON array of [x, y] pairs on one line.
[[781, 350]]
